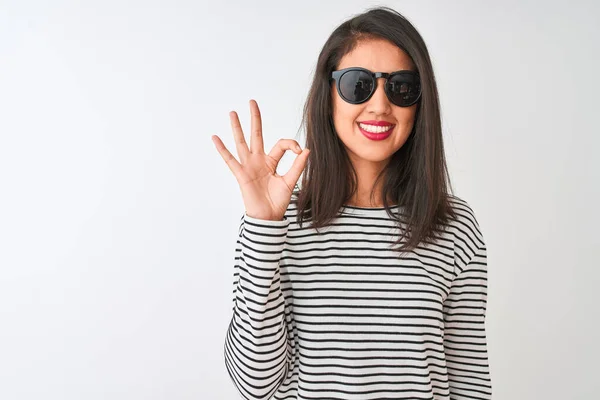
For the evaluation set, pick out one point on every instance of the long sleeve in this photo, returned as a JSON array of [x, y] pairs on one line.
[[464, 331], [256, 343]]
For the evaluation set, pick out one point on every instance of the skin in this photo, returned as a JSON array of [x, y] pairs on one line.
[[369, 157]]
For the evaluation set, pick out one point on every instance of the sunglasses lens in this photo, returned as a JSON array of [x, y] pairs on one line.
[[403, 89], [355, 86]]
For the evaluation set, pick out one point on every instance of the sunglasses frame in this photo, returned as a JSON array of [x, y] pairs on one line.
[[337, 75]]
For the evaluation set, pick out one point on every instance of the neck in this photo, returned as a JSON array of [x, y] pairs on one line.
[[366, 174], [366, 185]]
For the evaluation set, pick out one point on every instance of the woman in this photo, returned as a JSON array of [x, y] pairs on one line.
[[324, 305]]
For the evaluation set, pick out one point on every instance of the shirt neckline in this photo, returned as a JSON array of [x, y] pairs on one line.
[[367, 210]]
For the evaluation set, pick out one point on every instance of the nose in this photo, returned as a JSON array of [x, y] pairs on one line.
[[379, 102]]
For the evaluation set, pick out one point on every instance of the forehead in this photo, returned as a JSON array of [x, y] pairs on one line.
[[377, 55]]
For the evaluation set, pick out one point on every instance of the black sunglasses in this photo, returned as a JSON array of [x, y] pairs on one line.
[[356, 85]]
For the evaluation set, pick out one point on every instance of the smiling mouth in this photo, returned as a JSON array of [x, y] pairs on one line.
[[375, 128], [376, 133]]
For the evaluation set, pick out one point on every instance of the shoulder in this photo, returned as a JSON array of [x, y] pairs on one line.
[[294, 199], [293, 206], [467, 233], [295, 191]]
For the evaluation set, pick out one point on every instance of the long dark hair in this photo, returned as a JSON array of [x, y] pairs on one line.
[[416, 178]]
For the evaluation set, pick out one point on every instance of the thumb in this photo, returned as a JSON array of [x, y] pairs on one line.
[[292, 176]]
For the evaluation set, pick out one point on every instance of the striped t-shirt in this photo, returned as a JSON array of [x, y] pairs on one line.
[[338, 314]]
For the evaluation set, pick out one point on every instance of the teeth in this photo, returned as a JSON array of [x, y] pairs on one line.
[[375, 129]]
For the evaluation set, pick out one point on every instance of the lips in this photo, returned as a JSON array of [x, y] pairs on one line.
[[376, 123], [376, 136]]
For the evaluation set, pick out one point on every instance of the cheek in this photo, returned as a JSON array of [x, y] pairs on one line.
[[338, 115], [344, 115], [406, 117]]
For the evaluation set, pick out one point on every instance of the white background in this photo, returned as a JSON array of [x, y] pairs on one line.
[[118, 217]]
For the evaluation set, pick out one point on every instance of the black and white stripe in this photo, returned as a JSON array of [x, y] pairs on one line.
[[339, 315]]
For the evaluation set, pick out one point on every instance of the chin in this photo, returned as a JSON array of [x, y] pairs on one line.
[[372, 156]]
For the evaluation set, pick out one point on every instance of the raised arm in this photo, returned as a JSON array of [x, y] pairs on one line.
[[256, 344]]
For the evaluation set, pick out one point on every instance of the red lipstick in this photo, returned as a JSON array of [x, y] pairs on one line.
[[376, 136], [376, 123]]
